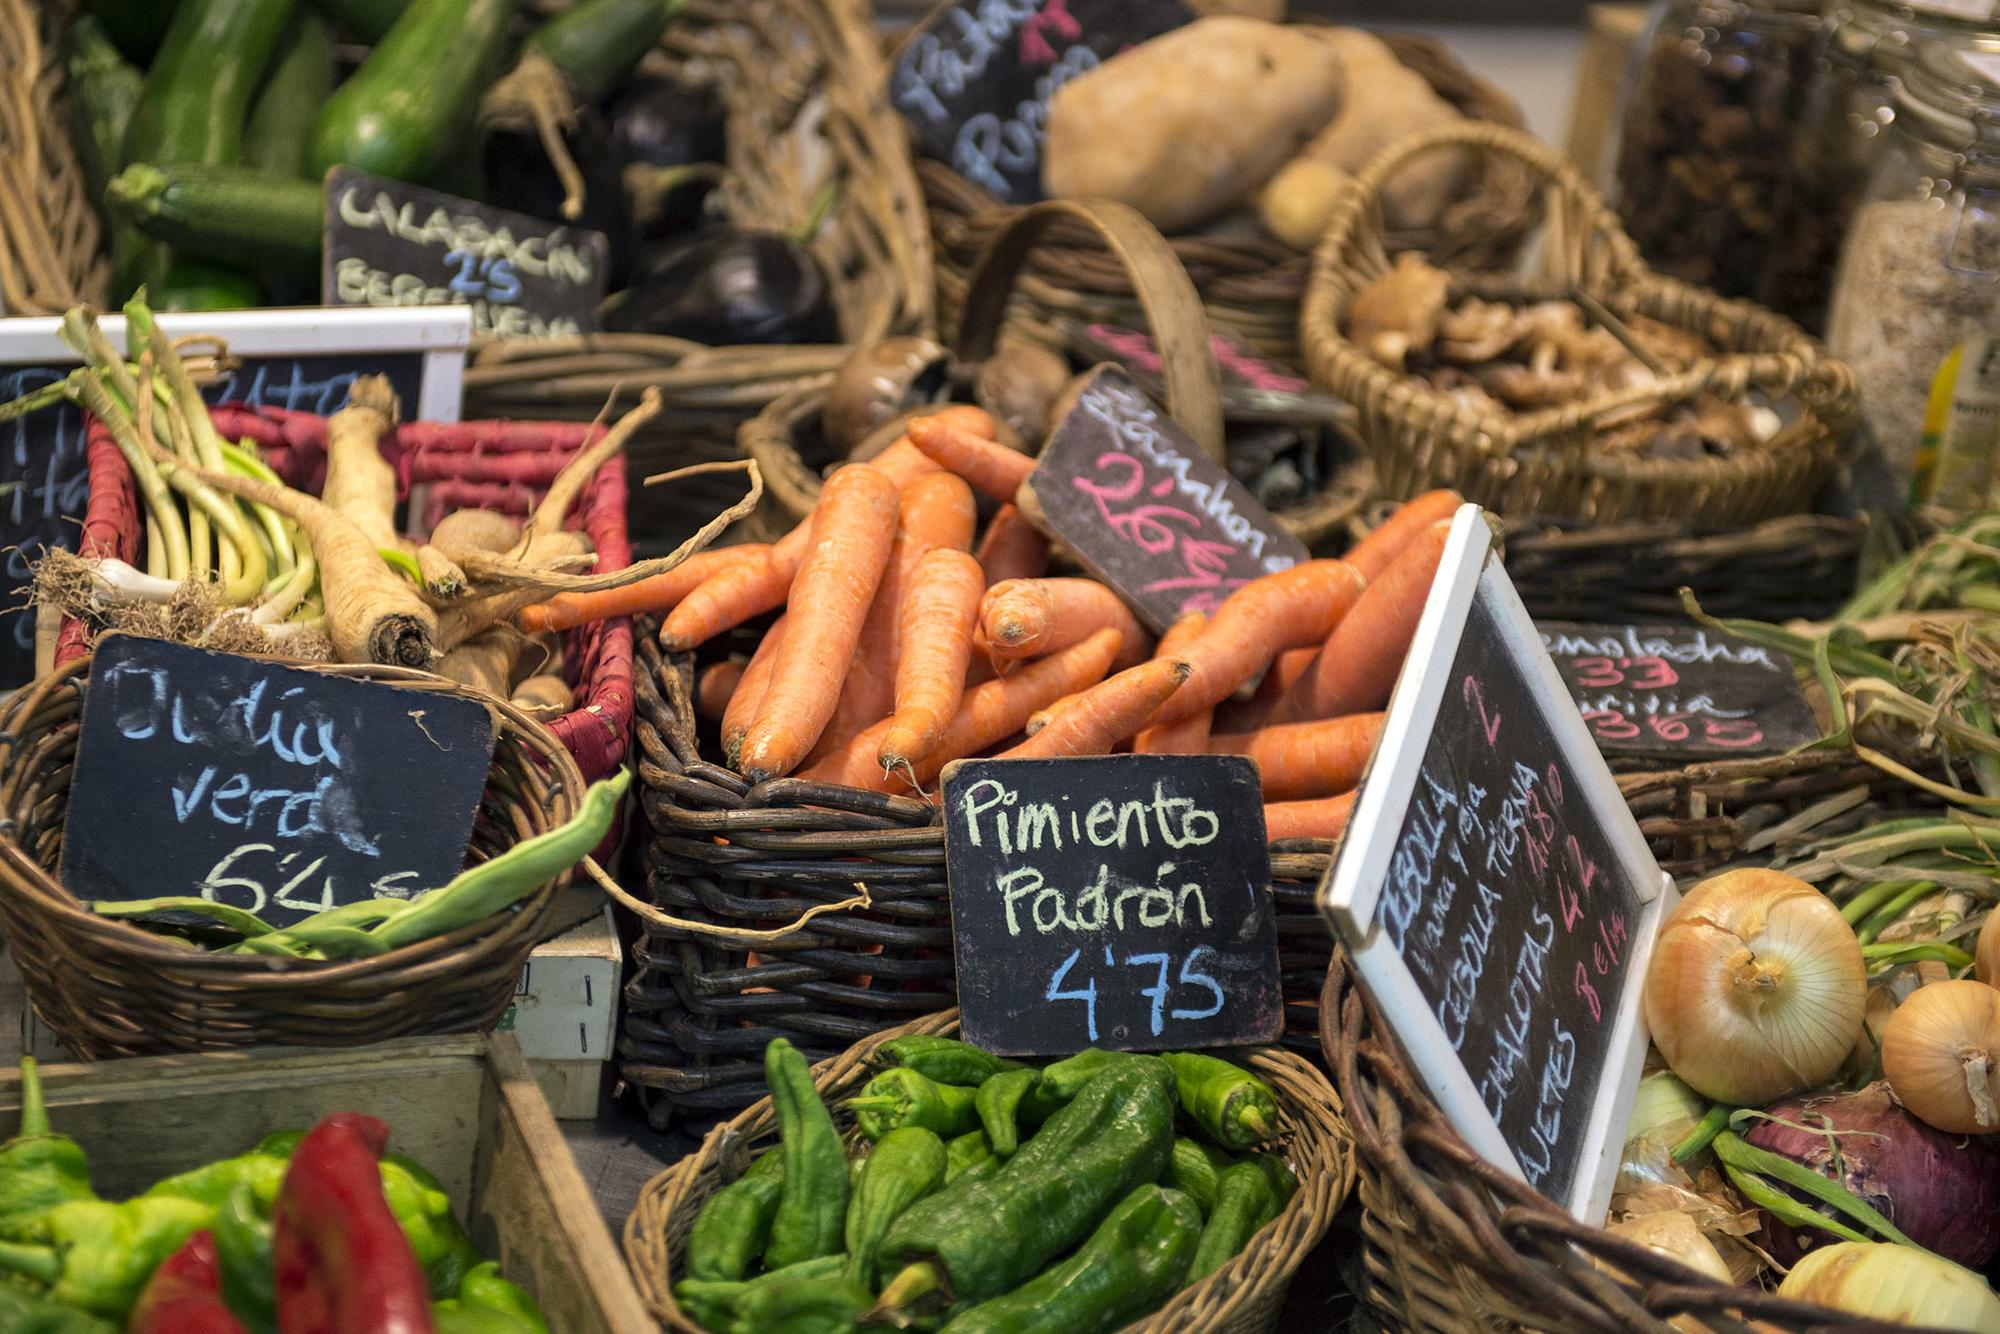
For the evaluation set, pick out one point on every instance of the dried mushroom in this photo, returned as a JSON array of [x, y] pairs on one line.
[[1399, 311]]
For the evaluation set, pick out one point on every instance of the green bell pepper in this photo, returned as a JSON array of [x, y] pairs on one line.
[[488, 1304], [100, 1254], [39, 1169]]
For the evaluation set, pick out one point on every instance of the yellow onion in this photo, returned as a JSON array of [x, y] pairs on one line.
[[1884, 1281], [1941, 1054], [1986, 954], [1756, 988], [1675, 1235]]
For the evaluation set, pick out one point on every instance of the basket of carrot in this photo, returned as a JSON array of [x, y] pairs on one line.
[[801, 698]]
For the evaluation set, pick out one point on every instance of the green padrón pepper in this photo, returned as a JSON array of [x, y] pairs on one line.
[[1134, 1261], [982, 1238], [100, 1254], [734, 1226], [714, 1304], [805, 1304], [39, 1169], [812, 1205], [964, 1153], [1062, 1080], [1195, 1169], [23, 1314], [907, 1165], [1228, 1103], [902, 1097], [242, 1231], [488, 1302], [1243, 1203], [998, 1103], [947, 1060]]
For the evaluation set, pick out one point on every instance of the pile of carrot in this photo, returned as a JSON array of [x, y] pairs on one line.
[[904, 644]]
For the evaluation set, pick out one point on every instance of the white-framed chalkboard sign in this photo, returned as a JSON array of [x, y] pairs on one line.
[[1496, 895]]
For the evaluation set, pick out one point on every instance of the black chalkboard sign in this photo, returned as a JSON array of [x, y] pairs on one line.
[[45, 480], [1496, 894], [975, 78], [265, 787], [392, 244], [1119, 901], [1252, 386], [1679, 691], [1146, 511]]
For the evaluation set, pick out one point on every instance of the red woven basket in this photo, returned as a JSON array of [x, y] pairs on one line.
[[501, 465]]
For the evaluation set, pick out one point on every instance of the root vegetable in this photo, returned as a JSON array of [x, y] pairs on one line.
[[1013, 548], [1296, 204], [1105, 714], [732, 595], [1316, 759], [1378, 551], [1357, 668], [715, 687], [1325, 817], [544, 697], [485, 661], [1941, 1054], [749, 693], [359, 481], [854, 527], [441, 574], [1189, 736], [1184, 126], [994, 470], [937, 619], [566, 611], [1018, 385], [1041, 718], [475, 530], [1028, 618]]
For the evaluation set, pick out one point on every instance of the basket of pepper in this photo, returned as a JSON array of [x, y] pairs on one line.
[[446, 961], [227, 1214], [973, 1177], [1601, 393]]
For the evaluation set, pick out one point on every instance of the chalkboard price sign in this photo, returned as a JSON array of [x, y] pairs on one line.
[[1121, 901], [1252, 386], [1146, 511], [1496, 894], [975, 78], [271, 788], [1667, 691], [392, 244]]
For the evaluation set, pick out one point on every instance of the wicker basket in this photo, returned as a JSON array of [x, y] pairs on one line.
[[703, 999], [496, 465], [1454, 1245], [50, 239], [1542, 465], [1242, 1297], [1170, 306], [110, 989], [1251, 285]]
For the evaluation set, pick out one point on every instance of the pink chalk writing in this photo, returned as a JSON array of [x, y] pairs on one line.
[[1137, 349], [1036, 49], [1156, 529]]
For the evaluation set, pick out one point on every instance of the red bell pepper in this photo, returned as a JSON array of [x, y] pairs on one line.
[[341, 1263], [184, 1295]]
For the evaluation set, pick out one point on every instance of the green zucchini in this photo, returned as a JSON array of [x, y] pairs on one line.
[[196, 284], [598, 43], [136, 26], [368, 21], [295, 87], [408, 110], [227, 214], [198, 90], [103, 90]]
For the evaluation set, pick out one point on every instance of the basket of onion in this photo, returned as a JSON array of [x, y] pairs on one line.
[[1813, 1146]]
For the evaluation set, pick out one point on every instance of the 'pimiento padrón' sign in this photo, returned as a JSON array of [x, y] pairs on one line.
[[1118, 901], [271, 788], [392, 244], [1496, 895], [1148, 512]]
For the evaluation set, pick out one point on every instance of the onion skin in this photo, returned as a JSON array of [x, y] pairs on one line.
[[1986, 954], [1756, 988], [1942, 1190], [1895, 1283], [1941, 1053]]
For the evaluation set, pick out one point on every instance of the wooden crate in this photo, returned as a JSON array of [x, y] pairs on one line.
[[465, 1107]]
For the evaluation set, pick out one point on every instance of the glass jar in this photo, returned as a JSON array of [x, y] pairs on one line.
[[1920, 273], [1707, 134], [1842, 129]]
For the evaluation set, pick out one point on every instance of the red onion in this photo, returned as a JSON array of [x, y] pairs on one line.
[[1942, 1190]]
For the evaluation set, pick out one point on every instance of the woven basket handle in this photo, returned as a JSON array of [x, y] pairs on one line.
[[1173, 307], [1585, 242]]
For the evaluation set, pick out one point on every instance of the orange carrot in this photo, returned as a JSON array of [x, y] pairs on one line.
[[1013, 548], [1378, 551], [1325, 817], [854, 528], [938, 615], [1307, 759], [936, 512], [1041, 718], [1357, 668], [566, 611], [1247, 715], [988, 713], [749, 693], [1290, 609], [715, 687], [1190, 735], [1105, 714], [1031, 618], [993, 469], [967, 417]]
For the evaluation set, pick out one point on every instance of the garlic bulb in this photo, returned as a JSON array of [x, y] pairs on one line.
[[1756, 988], [1941, 1054], [1895, 1283]]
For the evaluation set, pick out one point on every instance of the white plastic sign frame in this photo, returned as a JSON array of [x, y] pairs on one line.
[[441, 333], [1353, 886]]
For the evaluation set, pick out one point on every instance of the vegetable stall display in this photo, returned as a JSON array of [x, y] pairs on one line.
[[307, 1230]]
